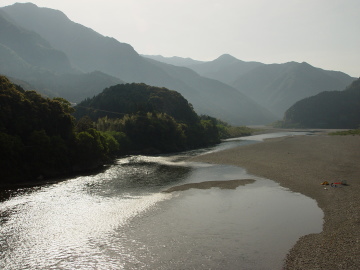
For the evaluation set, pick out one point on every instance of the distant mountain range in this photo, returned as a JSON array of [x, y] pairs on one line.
[[274, 86], [43, 49], [89, 51], [174, 60]]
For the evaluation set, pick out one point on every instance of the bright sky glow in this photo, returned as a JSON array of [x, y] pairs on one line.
[[324, 33]]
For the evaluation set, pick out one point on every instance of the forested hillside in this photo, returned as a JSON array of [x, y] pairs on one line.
[[39, 137], [153, 118], [124, 99], [330, 109]]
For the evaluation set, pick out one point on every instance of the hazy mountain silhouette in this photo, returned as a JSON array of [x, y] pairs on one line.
[[22, 49], [174, 60], [274, 86], [230, 104], [90, 51], [329, 109], [35, 64], [279, 86], [226, 68]]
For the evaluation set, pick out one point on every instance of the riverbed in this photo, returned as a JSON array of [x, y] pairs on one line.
[[121, 218]]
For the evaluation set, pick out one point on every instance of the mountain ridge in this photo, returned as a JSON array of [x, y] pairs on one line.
[[122, 61]]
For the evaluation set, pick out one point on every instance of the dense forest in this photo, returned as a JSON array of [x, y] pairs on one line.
[[40, 137], [154, 119], [329, 109]]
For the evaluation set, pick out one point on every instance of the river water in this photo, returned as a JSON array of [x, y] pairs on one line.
[[120, 219]]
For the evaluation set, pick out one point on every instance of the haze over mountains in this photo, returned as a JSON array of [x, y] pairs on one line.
[[274, 86], [59, 57], [89, 51]]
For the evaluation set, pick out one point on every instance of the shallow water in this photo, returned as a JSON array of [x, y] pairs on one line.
[[120, 219]]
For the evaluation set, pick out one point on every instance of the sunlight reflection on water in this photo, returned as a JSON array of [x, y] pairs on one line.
[[120, 219]]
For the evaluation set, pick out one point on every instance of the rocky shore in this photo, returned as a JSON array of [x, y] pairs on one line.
[[302, 163]]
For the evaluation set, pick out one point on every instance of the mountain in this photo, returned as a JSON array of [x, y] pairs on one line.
[[89, 51], [34, 63], [24, 52], [230, 104], [225, 68], [174, 60], [275, 86], [279, 86], [329, 109]]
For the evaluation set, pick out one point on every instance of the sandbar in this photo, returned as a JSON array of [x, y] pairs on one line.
[[225, 184], [302, 163]]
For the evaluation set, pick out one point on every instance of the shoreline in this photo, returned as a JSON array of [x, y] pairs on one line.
[[302, 163]]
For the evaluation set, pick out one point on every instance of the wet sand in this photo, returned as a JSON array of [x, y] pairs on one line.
[[302, 163], [229, 184]]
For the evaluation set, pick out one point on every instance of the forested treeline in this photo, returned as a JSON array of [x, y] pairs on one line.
[[40, 137], [329, 109], [148, 119]]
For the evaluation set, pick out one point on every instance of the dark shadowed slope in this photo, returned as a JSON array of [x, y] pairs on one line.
[[329, 109]]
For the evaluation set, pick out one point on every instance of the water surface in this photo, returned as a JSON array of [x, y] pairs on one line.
[[120, 219]]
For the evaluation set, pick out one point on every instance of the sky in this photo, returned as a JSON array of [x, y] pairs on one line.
[[323, 33]]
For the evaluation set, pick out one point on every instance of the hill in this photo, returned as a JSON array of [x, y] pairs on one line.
[[329, 109], [89, 51], [154, 119], [121, 99]]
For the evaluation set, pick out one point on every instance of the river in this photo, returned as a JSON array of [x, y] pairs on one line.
[[121, 219]]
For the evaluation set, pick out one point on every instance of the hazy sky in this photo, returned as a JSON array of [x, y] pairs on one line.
[[324, 33]]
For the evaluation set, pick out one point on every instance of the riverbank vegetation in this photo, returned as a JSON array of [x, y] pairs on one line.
[[352, 132], [41, 138]]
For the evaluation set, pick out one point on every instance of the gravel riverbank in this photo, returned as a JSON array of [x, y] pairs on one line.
[[301, 163]]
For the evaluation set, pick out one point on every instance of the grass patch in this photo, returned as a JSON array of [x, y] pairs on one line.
[[352, 132]]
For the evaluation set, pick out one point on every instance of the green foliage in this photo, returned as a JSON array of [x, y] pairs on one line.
[[331, 109], [150, 132], [154, 119], [226, 131], [352, 132], [37, 137], [122, 99], [84, 124], [11, 149]]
